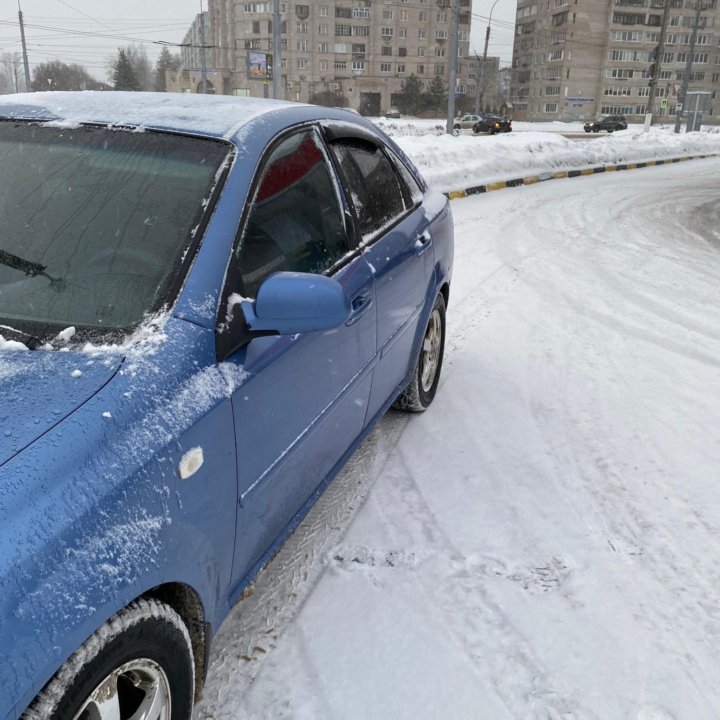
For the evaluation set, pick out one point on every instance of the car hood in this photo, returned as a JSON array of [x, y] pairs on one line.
[[39, 389]]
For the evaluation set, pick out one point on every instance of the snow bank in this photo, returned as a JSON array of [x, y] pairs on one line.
[[455, 163]]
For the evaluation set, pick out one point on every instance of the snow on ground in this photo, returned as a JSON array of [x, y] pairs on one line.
[[542, 544]]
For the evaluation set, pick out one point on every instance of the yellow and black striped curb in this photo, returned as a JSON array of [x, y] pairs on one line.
[[532, 179]]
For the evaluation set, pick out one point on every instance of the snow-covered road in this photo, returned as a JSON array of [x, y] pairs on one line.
[[544, 542]]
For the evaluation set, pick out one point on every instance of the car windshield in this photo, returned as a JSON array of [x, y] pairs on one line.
[[96, 223]]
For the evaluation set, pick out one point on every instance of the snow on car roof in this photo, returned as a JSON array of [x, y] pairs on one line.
[[211, 115]]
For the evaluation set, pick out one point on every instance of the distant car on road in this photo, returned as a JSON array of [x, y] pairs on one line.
[[393, 113], [609, 123], [492, 124], [466, 121]]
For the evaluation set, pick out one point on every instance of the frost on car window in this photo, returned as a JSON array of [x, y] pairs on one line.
[[96, 222], [372, 183]]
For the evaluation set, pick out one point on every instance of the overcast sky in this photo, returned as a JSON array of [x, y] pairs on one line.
[[88, 32]]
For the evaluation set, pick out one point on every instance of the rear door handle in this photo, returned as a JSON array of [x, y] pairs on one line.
[[423, 242]]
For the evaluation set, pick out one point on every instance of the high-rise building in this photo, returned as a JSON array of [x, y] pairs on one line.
[[358, 50], [576, 59]]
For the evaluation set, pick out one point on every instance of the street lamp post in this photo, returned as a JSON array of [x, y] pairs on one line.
[[481, 78]]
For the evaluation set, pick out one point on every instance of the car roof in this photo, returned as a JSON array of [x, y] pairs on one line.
[[218, 116]]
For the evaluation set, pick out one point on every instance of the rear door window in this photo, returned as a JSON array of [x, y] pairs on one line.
[[378, 193]]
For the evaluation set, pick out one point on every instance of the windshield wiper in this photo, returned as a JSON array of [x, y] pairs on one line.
[[30, 268], [32, 342]]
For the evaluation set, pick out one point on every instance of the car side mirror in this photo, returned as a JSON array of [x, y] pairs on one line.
[[287, 303]]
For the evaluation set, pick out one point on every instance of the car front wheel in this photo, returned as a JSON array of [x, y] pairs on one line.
[[138, 666], [421, 390]]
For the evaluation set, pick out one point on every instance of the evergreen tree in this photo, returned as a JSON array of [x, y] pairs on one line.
[[436, 95], [166, 61], [410, 98], [124, 75]]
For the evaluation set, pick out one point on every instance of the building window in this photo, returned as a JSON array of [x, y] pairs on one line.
[[361, 31], [420, 70], [556, 55], [361, 13], [551, 107], [385, 67], [323, 30], [439, 52], [441, 17], [559, 19], [441, 34], [388, 14], [402, 33], [617, 90], [302, 27], [386, 50], [401, 69], [422, 34], [323, 65], [343, 30], [358, 66], [301, 45], [423, 17], [341, 64], [323, 48], [421, 52], [386, 32], [301, 63], [552, 89], [323, 11]]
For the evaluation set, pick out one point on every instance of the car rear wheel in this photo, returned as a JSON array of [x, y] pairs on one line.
[[138, 666], [421, 390]]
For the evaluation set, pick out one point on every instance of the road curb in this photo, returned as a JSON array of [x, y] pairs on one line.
[[542, 177]]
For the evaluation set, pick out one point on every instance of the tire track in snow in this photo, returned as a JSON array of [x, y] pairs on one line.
[[485, 633]]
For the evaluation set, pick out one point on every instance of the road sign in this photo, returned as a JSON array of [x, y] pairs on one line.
[[664, 103]]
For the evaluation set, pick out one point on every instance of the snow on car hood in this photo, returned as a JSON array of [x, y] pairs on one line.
[[39, 389]]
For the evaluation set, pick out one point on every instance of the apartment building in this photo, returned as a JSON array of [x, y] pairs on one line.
[[576, 59], [191, 51], [355, 49]]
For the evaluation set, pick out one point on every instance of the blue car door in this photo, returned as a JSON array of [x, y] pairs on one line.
[[397, 244], [304, 397]]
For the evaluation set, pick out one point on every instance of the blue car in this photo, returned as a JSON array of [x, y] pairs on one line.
[[205, 305]]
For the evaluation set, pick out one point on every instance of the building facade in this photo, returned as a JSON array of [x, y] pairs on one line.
[[574, 60], [192, 44], [357, 50]]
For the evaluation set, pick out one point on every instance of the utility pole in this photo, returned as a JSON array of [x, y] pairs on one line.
[[659, 53], [452, 79], [24, 50], [203, 56], [689, 64], [277, 49], [481, 77]]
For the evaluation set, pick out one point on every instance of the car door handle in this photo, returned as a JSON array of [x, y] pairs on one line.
[[360, 305], [423, 242]]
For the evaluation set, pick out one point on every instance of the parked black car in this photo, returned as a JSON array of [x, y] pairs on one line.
[[492, 124], [609, 123]]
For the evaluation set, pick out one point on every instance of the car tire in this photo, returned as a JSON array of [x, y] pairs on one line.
[[610, 130], [457, 127], [587, 130], [420, 391], [141, 658]]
